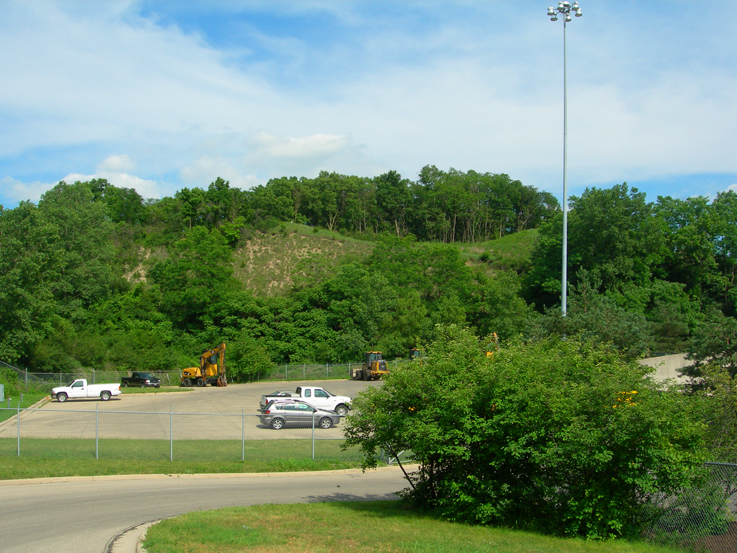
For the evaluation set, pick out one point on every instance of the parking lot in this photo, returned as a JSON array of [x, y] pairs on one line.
[[198, 413]]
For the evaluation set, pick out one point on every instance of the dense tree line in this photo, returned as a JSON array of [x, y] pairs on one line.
[[647, 277]]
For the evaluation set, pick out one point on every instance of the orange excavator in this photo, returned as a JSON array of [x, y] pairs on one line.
[[211, 369]]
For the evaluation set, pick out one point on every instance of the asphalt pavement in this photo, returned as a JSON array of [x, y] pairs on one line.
[[224, 413], [96, 514]]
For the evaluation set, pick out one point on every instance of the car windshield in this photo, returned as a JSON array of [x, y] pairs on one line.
[[145, 375]]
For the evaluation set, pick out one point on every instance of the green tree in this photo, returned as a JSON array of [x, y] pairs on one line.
[[393, 199], [714, 342], [195, 277], [82, 273], [27, 257], [612, 234]]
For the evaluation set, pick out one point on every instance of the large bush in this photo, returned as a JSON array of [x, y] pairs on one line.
[[562, 436]]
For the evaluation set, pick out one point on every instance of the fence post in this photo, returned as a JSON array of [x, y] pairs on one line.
[[171, 434], [349, 369], [26, 380], [17, 424], [286, 376], [243, 435], [327, 370], [97, 431], [313, 435], [303, 372]]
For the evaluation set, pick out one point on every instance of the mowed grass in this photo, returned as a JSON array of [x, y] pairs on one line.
[[8, 409], [380, 526], [61, 457]]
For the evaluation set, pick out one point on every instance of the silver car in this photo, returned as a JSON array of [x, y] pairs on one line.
[[288, 412]]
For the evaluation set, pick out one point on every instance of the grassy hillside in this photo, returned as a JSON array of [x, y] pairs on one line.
[[291, 254], [271, 263], [509, 252]]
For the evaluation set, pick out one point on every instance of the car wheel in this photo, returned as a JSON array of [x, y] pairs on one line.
[[326, 422], [277, 424], [342, 410], [125, 384], [61, 397], [104, 396]]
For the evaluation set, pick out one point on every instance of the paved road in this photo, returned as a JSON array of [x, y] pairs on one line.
[[77, 418], [83, 515]]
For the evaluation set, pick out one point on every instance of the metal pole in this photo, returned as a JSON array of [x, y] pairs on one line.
[[97, 431], [17, 424], [171, 434], [243, 435], [565, 9], [313, 435], [564, 290]]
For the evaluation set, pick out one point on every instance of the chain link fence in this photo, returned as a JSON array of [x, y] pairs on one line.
[[292, 371], [174, 436], [702, 518]]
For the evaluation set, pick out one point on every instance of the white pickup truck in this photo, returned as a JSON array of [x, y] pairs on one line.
[[317, 397], [80, 389]]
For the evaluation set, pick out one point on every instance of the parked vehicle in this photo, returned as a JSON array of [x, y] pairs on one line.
[[80, 389], [211, 369], [373, 368], [290, 412], [141, 380], [319, 397]]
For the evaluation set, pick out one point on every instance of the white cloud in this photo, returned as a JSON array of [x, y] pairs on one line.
[[18, 191], [317, 145], [206, 169], [117, 163]]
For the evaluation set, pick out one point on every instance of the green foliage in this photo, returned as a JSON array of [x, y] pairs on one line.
[[26, 296], [611, 234], [718, 394], [195, 276], [562, 436], [9, 379], [714, 341], [597, 317]]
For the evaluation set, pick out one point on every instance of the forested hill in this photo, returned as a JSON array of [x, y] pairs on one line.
[[321, 270]]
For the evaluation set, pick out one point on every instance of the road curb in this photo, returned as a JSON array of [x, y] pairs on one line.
[[130, 540], [113, 477]]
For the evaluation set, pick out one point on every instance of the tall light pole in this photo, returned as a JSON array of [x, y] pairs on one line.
[[565, 9]]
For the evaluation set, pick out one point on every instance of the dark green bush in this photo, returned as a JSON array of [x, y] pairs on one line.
[[560, 436]]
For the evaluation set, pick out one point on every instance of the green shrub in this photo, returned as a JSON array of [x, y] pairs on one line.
[[9, 379], [559, 436]]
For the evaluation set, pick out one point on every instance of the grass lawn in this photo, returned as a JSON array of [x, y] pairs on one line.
[[54, 457], [29, 398], [356, 527]]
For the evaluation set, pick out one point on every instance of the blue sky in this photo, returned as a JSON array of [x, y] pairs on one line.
[[159, 95]]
